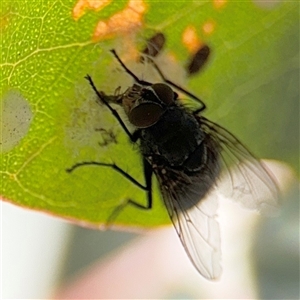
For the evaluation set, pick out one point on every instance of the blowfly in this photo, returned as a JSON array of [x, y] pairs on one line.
[[193, 159]]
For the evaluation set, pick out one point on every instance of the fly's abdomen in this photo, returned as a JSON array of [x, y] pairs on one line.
[[192, 181]]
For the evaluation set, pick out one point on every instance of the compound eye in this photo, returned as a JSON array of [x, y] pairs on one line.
[[164, 92], [145, 115]]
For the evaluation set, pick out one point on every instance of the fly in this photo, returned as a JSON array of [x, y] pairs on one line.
[[191, 158]]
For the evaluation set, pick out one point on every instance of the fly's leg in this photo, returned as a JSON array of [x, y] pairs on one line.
[[112, 166], [203, 106], [147, 188], [133, 136], [141, 82]]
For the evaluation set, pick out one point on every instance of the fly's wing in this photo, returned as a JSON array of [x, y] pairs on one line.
[[198, 230], [243, 178]]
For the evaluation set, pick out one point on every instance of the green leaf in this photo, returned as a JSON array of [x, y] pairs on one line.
[[50, 119]]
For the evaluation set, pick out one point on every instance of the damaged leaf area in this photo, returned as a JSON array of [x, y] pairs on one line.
[[50, 119]]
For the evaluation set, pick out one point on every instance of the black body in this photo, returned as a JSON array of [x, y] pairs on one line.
[[182, 155]]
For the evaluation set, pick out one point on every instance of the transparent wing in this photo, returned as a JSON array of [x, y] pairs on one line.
[[243, 178], [198, 231]]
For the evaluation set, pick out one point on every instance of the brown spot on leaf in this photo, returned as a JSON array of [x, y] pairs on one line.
[[190, 39], [209, 27], [219, 3], [83, 5], [125, 21]]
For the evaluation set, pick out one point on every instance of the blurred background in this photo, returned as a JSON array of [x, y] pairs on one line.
[[260, 255]]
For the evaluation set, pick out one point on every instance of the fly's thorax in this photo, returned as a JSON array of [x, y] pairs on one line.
[[174, 137]]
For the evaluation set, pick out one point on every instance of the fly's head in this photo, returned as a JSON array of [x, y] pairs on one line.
[[145, 105]]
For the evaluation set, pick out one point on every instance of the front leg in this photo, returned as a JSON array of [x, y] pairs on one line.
[[133, 137]]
